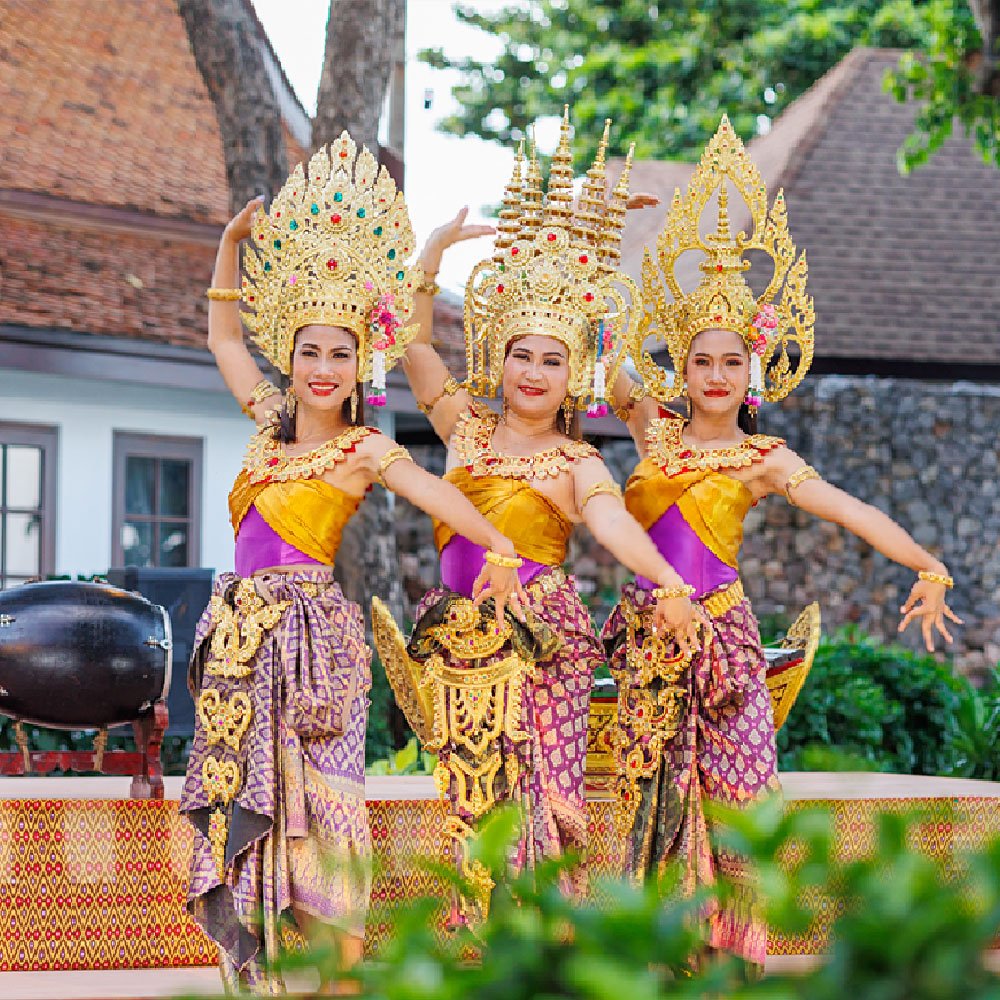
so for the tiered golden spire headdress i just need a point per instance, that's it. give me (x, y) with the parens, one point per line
(723, 300)
(332, 250)
(554, 272)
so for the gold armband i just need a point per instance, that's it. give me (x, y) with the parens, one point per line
(391, 456)
(604, 486)
(928, 577)
(797, 478)
(451, 386)
(223, 294)
(669, 593)
(261, 391)
(504, 562)
(624, 413)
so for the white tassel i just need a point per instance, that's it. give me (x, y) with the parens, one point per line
(756, 374)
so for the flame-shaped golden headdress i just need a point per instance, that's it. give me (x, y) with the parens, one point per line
(553, 272)
(723, 300)
(332, 250)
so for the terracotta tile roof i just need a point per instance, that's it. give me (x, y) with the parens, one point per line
(898, 266)
(104, 104)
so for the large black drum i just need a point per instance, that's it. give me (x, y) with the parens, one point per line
(81, 655)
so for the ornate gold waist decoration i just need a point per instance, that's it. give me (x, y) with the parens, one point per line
(721, 601)
(239, 630)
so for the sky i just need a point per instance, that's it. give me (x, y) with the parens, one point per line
(443, 173)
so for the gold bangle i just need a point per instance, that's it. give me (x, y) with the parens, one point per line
(604, 486)
(624, 413)
(798, 477)
(504, 562)
(451, 386)
(428, 287)
(669, 593)
(389, 458)
(224, 294)
(928, 577)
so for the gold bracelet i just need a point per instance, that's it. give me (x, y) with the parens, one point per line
(928, 577)
(504, 562)
(430, 287)
(624, 413)
(224, 294)
(391, 456)
(451, 386)
(604, 486)
(798, 477)
(669, 593)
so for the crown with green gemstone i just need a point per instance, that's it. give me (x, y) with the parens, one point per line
(332, 250)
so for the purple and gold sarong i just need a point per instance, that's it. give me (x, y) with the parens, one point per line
(275, 781)
(539, 714)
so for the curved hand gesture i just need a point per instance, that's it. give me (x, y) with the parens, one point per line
(678, 618)
(503, 585)
(238, 227)
(455, 231)
(926, 601)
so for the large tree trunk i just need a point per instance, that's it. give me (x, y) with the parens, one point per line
(363, 38)
(361, 43)
(230, 56)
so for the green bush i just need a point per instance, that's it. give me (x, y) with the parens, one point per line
(885, 708)
(908, 928)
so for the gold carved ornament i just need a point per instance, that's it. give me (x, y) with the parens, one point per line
(265, 460)
(554, 272)
(666, 447)
(225, 721)
(723, 299)
(784, 685)
(651, 702)
(238, 631)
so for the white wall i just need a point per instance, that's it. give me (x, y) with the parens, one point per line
(87, 412)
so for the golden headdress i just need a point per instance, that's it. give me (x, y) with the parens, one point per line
(331, 250)
(553, 272)
(723, 300)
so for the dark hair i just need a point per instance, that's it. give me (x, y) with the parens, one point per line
(284, 429)
(746, 421)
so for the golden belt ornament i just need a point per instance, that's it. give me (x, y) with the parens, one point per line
(239, 630)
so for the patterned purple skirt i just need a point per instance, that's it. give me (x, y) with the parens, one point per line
(275, 782)
(693, 734)
(541, 747)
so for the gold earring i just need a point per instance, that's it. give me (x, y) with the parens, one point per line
(291, 401)
(506, 407)
(568, 406)
(354, 405)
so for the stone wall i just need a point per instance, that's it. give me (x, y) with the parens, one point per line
(928, 455)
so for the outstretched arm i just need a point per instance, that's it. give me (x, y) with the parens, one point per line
(225, 331)
(787, 473)
(600, 503)
(392, 466)
(428, 375)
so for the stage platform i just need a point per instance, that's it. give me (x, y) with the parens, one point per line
(93, 883)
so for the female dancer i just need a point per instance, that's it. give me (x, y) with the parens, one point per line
(713, 737)
(508, 713)
(280, 672)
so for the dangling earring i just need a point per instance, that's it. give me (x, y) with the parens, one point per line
(354, 404)
(687, 408)
(290, 402)
(568, 406)
(506, 407)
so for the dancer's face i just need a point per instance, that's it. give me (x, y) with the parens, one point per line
(717, 372)
(324, 366)
(535, 376)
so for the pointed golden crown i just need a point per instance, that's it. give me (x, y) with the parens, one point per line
(331, 250)
(723, 300)
(553, 272)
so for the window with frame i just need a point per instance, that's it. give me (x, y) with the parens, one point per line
(157, 500)
(27, 502)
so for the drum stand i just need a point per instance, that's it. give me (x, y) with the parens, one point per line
(144, 763)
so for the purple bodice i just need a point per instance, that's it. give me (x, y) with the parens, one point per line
(259, 546)
(687, 553)
(462, 561)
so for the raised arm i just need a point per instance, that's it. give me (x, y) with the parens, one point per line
(392, 466)
(225, 330)
(785, 472)
(636, 414)
(432, 384)
(600, 503)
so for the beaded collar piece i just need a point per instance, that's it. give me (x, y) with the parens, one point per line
(473, 441)
(667, 449)
(266, 462)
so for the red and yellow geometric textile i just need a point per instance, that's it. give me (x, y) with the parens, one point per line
(101, 884)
